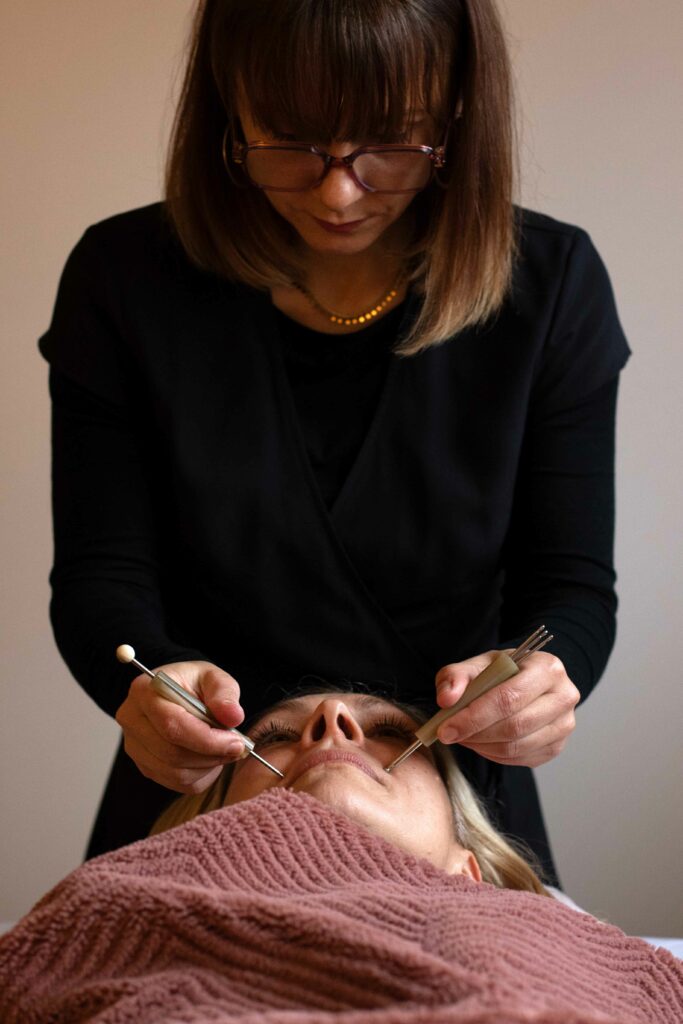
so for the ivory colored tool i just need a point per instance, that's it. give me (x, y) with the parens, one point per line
(168, 688)
(505, 666)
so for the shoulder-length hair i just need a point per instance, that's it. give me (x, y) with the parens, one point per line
(353, 69)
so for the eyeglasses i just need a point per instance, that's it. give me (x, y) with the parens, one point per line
(298, 166)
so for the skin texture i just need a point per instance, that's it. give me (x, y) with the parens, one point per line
(409, 807)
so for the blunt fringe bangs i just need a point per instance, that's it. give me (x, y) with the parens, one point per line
(352, 70)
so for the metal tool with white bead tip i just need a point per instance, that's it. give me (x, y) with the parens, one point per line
(168, 688)
(503, 667)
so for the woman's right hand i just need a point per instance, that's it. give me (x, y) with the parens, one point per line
(169, 744)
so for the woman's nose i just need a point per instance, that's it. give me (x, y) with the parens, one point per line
(333, 720)
(338, 190)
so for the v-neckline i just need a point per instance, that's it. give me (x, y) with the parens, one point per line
(335, 522)
(298, 442)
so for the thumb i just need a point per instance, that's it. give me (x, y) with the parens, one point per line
(221, 694)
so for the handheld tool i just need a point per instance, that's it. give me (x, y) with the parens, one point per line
(503, 667)
(168, 688)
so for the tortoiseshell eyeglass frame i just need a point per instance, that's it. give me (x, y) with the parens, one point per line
(437, 155)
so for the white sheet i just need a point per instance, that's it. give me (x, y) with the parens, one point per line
(674, 946)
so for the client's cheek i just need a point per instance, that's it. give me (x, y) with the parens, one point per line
(418, 787)
(248, 780)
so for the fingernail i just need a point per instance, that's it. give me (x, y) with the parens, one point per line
(450, 735)
(234, 752)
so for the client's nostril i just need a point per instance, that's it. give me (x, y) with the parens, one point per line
(318, 730)
(345, 726)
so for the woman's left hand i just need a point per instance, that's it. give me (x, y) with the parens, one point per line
(523, 721)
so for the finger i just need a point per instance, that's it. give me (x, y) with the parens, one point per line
(176, 727)
(452, 680)
(146, 733)
(531, 750)
(538, 714)
(182, 780)
(221, 694)
(502, 702)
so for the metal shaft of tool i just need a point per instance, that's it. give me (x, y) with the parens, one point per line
(143, 668)
(538, 639)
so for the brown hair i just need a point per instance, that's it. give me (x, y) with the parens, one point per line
(349, 69)
(504, 862)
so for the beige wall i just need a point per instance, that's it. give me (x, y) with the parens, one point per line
(85, 109)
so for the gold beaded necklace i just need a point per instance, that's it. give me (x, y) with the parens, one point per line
(358, 318)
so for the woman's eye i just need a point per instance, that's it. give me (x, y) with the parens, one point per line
(270, 736)
(390, 730)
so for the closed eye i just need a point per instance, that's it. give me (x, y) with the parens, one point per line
(274, 732)
(391, 728)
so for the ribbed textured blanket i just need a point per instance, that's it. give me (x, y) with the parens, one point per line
(281, 909)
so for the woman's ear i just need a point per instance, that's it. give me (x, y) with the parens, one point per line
(463, 862)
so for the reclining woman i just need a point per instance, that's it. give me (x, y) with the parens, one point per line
(337, 893)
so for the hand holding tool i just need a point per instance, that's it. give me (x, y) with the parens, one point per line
(503, 667)
(169, 689)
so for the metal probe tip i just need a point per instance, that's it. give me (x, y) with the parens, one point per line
(402, 757)
(267, 764)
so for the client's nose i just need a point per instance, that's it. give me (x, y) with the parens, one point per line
(332, 719)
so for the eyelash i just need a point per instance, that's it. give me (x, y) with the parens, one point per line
(278, 732)
(391, 725)
(273, 732)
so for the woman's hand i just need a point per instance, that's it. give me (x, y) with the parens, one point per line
(524, 721)
(170, 745)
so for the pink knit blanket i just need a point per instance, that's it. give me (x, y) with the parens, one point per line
(281, 909)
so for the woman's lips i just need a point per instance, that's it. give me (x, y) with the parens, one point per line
(326, 756)
(340, 229)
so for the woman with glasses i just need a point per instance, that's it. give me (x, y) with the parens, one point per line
(337, 406)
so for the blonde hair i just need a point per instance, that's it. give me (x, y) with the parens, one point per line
(364, 66)
(504, 862)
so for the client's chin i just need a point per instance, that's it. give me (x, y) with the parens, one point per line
(344, 786)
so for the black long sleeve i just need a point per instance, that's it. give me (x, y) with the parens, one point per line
(559, 550)
(105, 578)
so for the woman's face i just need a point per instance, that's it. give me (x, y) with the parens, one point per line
(338, 199)
(335, 747)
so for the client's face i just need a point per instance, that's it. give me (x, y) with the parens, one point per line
(335, 747)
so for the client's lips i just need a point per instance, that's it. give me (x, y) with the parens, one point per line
(330, 754)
